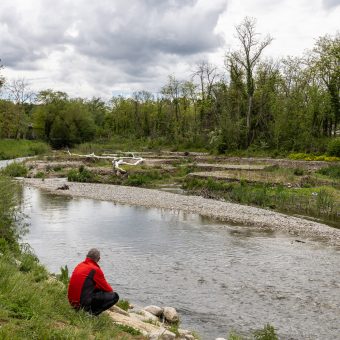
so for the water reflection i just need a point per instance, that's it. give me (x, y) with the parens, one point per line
(219, 277)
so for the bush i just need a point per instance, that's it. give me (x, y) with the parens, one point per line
(64, 275)
(298, 172)
(330, 171)
(15, 170)
(140, 179)
(38, 148)
(10, 217)
(81, 175)
(310, 157)
(333, 148)
(267, 333)
(123, 304)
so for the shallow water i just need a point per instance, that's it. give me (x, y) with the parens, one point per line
(6, 162)
(219, 277)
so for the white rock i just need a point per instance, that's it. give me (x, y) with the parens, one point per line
(170, 314)
(147, 316)
(155, 310)
(189, 337)
(183, 332)
(220, 339)
(119, 310)
(163, 334)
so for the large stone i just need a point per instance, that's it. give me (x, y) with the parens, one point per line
(185, 334)
(145, 328)
(119, 310)
(155, 310)
(147, 316)
(170, 314)
(162, 334)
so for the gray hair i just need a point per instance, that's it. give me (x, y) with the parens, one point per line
(94, 254)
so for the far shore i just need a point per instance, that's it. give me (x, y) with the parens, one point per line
(223, 211)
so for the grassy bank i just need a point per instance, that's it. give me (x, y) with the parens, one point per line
(317, 202)
(313, 194)
(12, 148)
(33, 305)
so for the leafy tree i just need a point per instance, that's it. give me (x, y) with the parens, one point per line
(61, 121)
(247, 57)
(325, 63)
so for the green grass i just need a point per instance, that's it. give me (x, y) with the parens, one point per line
(12, 148)
(32, 304)
(320, 202)
(266, 333)
(82, 175)
(130, 144)
(330, 171)
(311, 157)
(123, 304)
(32, 307)
(15, 170)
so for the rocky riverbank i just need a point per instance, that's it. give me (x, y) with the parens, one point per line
(224, 211)
(152, 321)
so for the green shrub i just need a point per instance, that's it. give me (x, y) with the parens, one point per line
(267, 333)
(64, 275)
(123, 304)
(40, 174)
(38, 148)
(324, 202)
(330, 171)
(310, 157)
(298, 172)
(15, 170)
(10, 217)
(81, 175)
(333, 148)
(140, 179)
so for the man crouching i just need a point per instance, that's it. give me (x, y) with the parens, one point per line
(88, 288)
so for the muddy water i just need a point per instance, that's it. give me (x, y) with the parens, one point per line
(219, 277)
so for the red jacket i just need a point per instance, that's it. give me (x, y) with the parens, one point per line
(86, 278)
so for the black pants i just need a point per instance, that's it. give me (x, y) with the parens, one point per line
(101, 301)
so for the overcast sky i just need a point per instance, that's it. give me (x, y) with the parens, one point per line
(99, 48)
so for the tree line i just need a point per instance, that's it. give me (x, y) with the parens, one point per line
(291, 104)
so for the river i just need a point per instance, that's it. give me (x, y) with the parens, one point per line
(219, 277)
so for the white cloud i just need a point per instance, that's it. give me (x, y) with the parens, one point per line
(89, 48)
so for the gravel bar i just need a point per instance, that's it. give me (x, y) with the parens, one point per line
(223, 211)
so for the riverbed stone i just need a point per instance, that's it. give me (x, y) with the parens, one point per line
(119, 310)
(170, 314)
(185, 334)
(163, 334)
(147, 316)
(155, 310)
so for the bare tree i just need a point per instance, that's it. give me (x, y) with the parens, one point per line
(2, 79)
(20, 93)
(171, 91)
(206, 73)
(248, 56)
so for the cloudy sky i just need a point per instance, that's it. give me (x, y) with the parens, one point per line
(99, 48)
